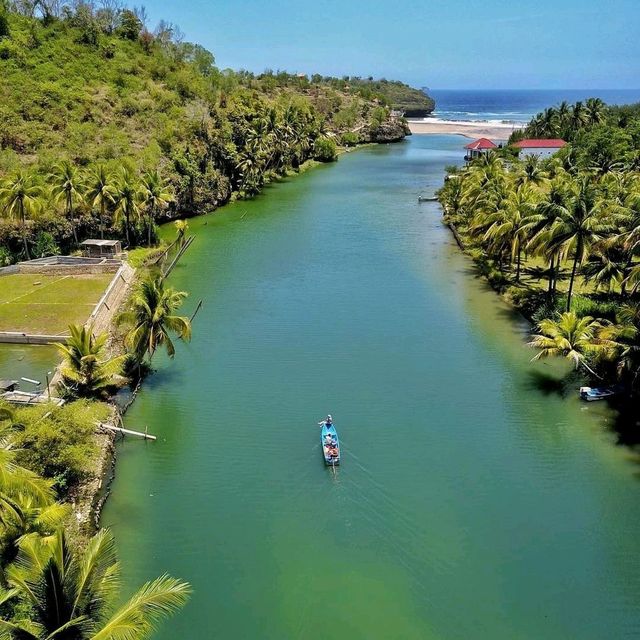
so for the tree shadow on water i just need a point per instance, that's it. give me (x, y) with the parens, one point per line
(548, 385)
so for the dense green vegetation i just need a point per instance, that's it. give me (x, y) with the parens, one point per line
(52, 585)
(561, 237)
(105, 126)
(52, 588)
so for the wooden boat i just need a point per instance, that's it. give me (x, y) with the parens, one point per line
(590, 394)
(331, 452)
(427, 199)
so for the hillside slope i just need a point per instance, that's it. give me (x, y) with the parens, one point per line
(98, 89)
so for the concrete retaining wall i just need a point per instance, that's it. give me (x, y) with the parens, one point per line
(15, 337)
(113, 297)
(67, 269)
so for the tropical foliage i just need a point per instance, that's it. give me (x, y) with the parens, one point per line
(561, 236)
(107, 125)
(86, 369)
(151, 318)
(62, 592)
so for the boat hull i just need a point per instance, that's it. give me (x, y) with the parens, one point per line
(592, 394)
(329, 459)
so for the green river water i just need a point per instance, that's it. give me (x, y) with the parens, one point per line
(473, 500)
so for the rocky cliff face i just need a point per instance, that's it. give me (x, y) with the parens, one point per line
(392, 130)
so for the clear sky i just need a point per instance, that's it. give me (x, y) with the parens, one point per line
(529, 44)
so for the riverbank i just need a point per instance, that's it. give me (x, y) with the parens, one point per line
(494, 131)
(444, 362)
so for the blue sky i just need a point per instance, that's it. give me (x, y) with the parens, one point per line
(481, 44)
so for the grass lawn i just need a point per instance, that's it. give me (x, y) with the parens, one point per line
(35, 303)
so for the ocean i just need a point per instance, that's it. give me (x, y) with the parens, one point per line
(516, 105)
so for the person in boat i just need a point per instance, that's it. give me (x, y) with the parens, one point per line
(328, 440)
(328, 421)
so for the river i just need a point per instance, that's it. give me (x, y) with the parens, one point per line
(475, 499)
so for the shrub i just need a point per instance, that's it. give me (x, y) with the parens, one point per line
(62, 445)
(5, 32)
(325, 150)
(350, 139)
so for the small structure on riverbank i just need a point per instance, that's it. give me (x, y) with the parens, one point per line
(478, 148)
(94, 248)
(538, 147)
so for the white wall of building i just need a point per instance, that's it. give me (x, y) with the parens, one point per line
(540, 152)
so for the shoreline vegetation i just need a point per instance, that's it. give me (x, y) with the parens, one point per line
(107, 129)
(100, 114)
(559, 238)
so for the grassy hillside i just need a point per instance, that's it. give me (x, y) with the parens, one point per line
(97, 89)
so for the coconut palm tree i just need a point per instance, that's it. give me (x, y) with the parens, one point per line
(20, 198)
(609, 263)
(569, 337)
(564, 115)
(86, 367)
(623, 338)
(66, 186)
(511, 222)
(100, 191)
(126, 200)
(581, 223)
(594, 110)
(154, 196)
(61, 593)
(579, 116)
(26, 500)
(152, 318)
(540, 223)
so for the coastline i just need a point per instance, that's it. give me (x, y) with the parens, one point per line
(493, 130)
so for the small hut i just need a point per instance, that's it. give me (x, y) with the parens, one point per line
(478, 148)
(101, 248)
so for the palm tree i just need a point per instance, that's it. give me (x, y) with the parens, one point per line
(19, 196)
(25, 498)
(151, 318)
(624, 340)
(564, 115)
(594, 110)
(154, 196)
(570, 337)
(127, 200)
(579, 116)
(68, 594)
(510, 223)
(100, 191)
(580, 224)
(608, 264)
(540, 223)
(549, 122)
(67, 186)
(86, 366)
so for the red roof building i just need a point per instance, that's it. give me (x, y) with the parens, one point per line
(482, 144)
(478, 147)
(538, 147)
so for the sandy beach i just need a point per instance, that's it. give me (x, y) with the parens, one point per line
(491, 130)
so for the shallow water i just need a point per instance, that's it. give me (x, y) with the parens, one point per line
(30, 361)
(474, 500)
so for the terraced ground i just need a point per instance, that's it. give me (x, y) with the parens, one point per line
(34, 303)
